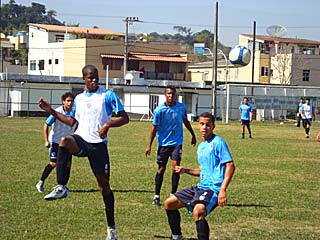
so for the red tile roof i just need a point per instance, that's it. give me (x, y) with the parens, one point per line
(92, 31)
(150, 57)
(283, 40)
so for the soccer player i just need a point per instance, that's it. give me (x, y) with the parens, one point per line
(167, 125)
(246, 116)
(215, 169)
(92, 110)
(301, 101)
(307, 113)
(58, 130)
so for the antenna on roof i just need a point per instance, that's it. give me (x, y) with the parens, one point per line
(276, 31)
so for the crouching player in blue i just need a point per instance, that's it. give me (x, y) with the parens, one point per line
(216, 169)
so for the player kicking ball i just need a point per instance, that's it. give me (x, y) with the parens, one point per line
(215, 169)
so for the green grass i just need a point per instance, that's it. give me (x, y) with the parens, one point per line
(274, 194)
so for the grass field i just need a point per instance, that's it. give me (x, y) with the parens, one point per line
(275, 192)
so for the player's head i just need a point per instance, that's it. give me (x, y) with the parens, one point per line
(67, 101)
(170, 94)
(307, 100)
(301, 99)
(206, 125)
(245, 100)
(91, 77)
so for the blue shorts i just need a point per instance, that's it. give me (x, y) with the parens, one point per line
(53, 153)
(164, 152)
(97, 154)
(192, 195)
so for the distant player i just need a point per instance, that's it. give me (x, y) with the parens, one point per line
(307, 113)
(246, 116)
(299, 118)
(58, 130)
(93, 111)
(215, 170)
(167, 124)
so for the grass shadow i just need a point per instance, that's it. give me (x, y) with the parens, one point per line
(114, 190)
(166, 237)
(248, 205)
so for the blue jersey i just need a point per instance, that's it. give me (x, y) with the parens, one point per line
(307, 110)
(245, 110)
(212, 156)
(92, 110)
(169, 121)
(58, 128)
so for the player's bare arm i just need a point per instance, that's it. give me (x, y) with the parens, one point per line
(122, 119)
(46, 135)
(153, 133)
(192, 172)
(189, 127)
(44, 105)
(222, 196)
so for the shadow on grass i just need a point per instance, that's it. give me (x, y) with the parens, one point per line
(114, 190)
(166, 237)
(247, 205)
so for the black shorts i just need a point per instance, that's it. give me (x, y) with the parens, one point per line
(53, 153)
(193, 195)
(306, 121)
(97, 154)
(245, 122)
(164, 152)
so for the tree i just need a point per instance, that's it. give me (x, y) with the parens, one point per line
(286, 67)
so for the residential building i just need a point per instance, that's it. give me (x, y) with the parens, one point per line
(63, 51)
(285, 61)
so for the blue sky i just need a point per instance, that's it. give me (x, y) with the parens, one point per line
(301, 18)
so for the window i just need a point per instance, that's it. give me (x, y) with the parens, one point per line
(114, 64)
(305, 75)
(56, 61)
(50, 61)
(41, 64)
(33, 65)
(265, 71)
(206, 76)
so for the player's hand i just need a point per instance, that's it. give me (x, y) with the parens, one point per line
(318, 137)
(44, 105)
(148, 151)
(193, 141)
(222, 198)
(103, 131)
(179, 170)
(47, 144)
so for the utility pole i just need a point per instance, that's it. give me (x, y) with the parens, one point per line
(127, 20)
(253, 55)
(215, 64)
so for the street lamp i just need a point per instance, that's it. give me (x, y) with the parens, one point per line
(225, 59)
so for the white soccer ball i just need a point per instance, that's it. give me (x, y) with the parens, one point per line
(240, 55)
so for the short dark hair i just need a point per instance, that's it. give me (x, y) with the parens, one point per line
(88, 67)
(170, 87)
(66, 95)
(208, 115)
(308, 99)
(246, 98)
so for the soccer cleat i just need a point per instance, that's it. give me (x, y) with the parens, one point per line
(176, 237)
(250, 136)
(58, 192)
(307, 135)
(40, 187)
(156, 201)
(112, 233)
